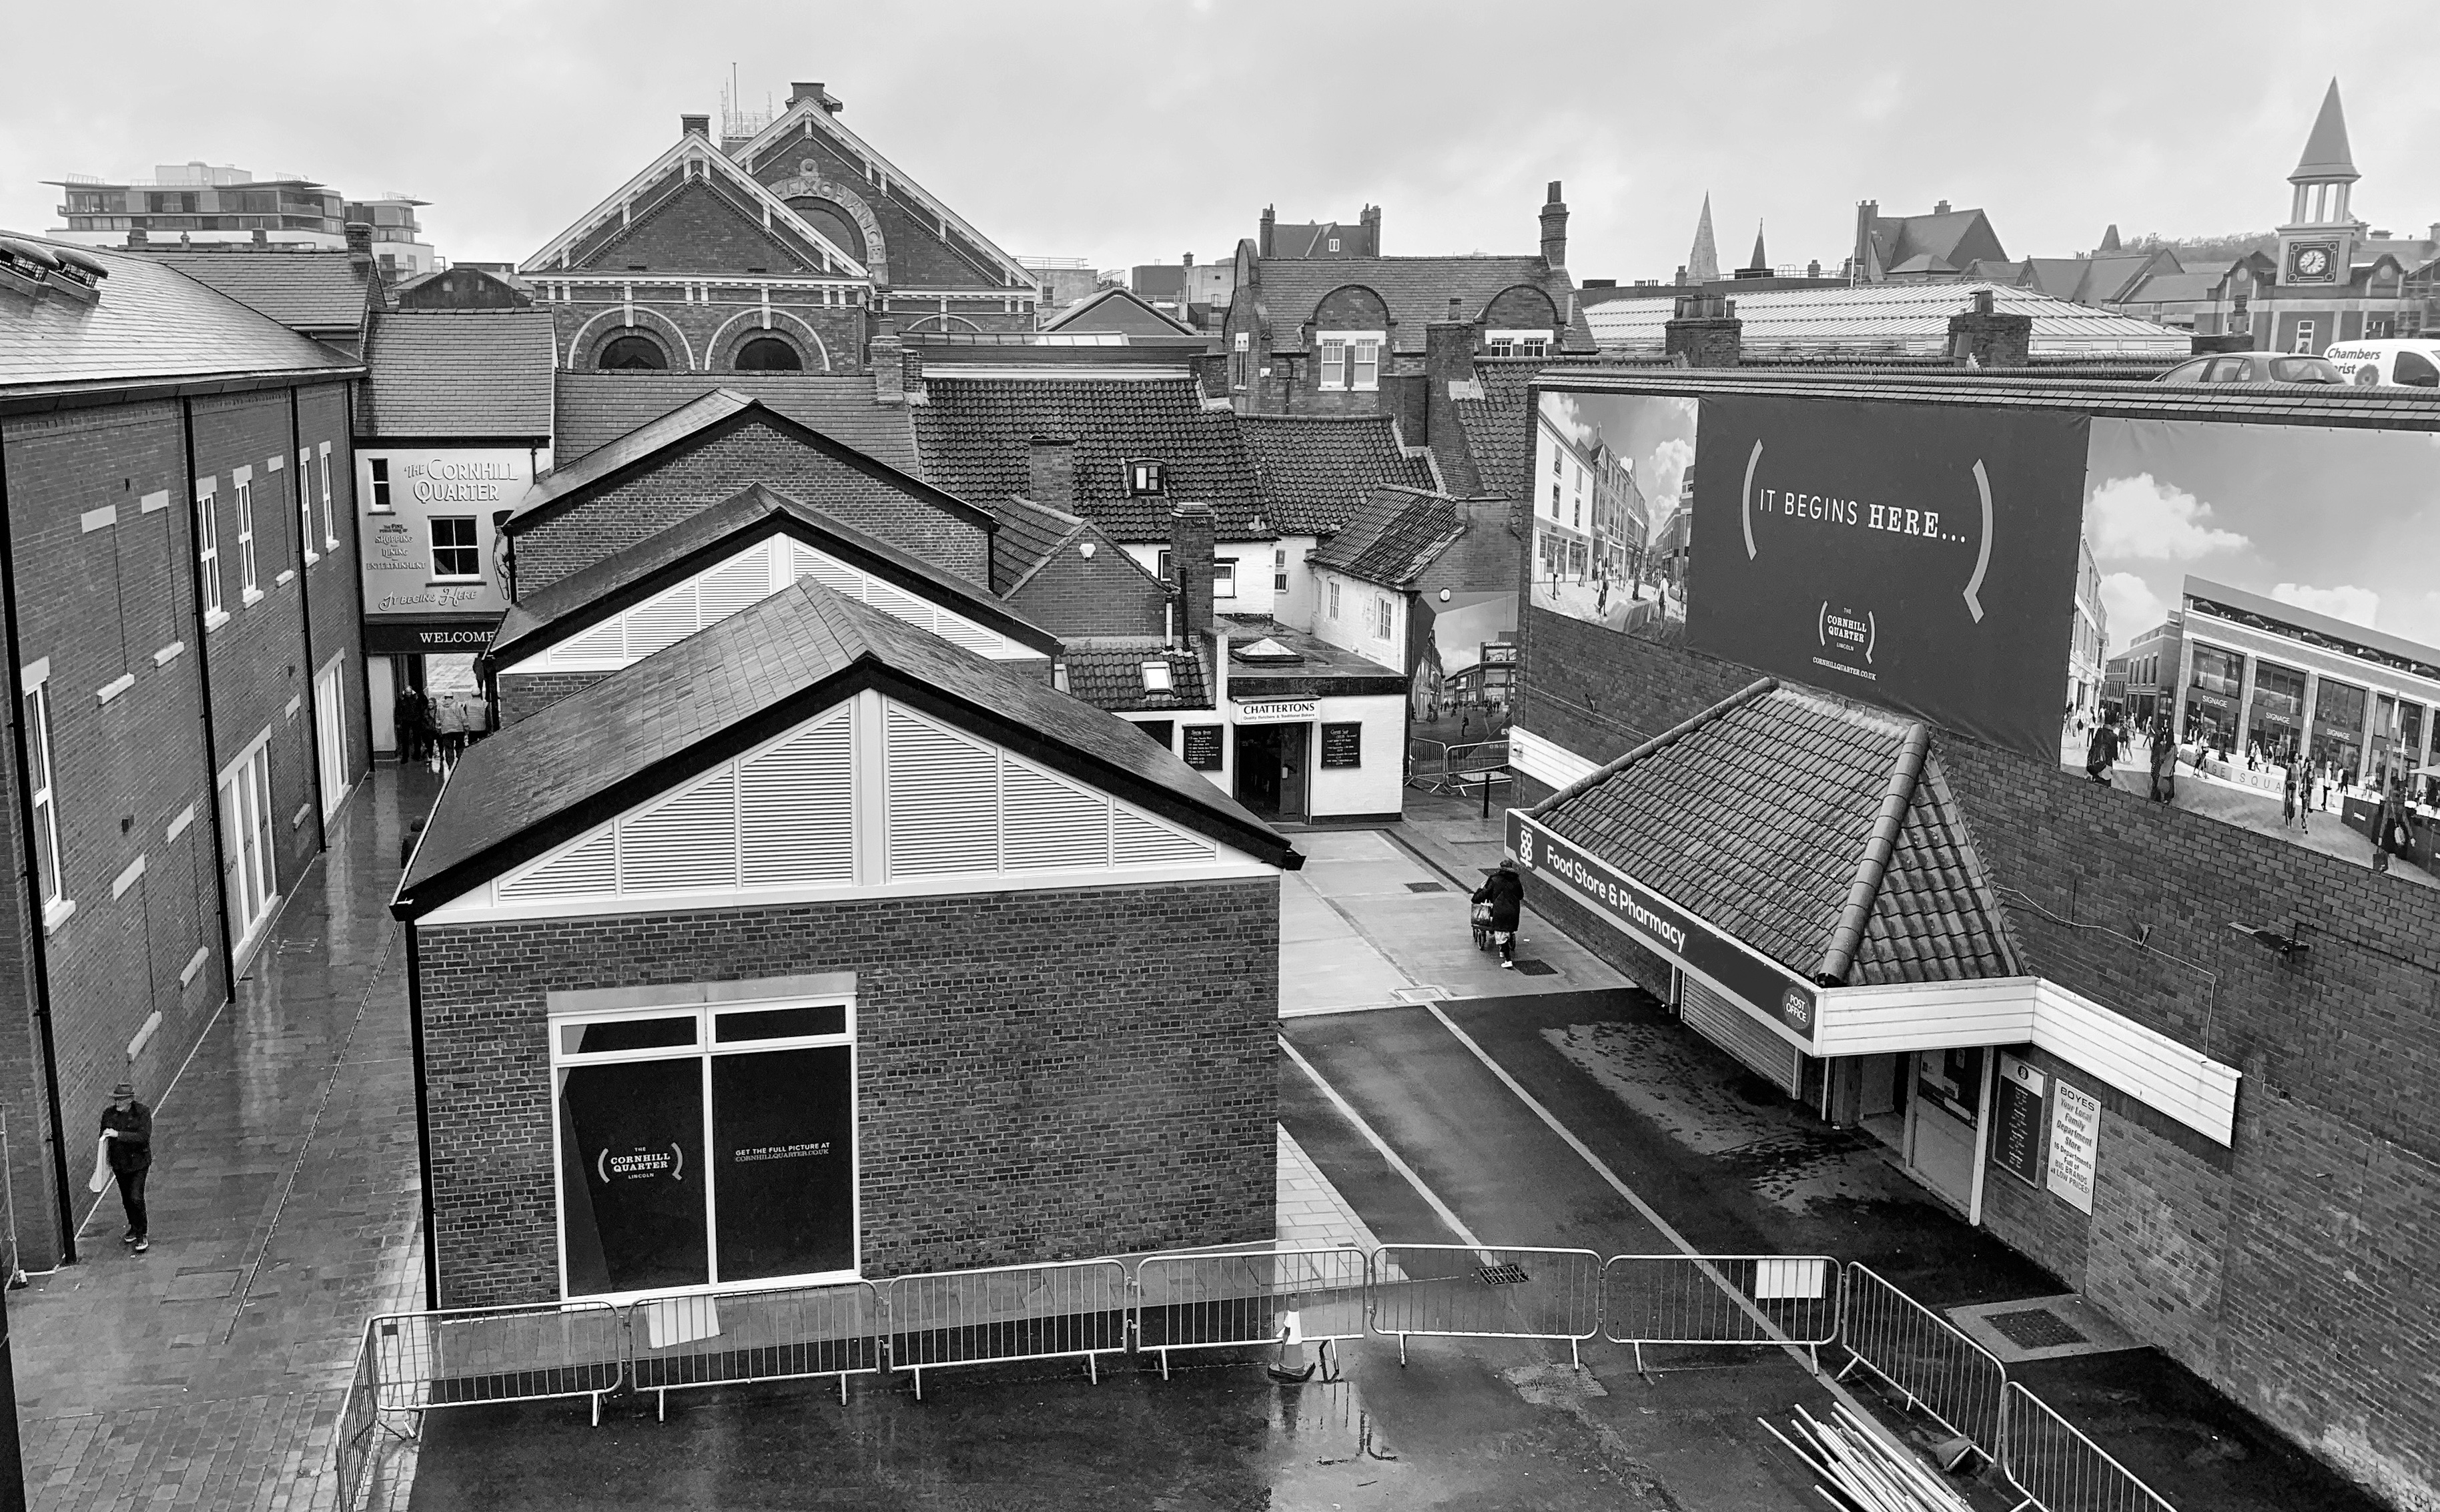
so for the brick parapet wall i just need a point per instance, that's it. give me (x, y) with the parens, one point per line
(1040, 1075)
(524, 694)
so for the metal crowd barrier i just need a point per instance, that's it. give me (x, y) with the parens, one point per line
(1008, 1313)
(1300, 1294)
(2056, 1468)
(1942, 1373)
(468, 1356)
(1440, 766)
(787, 1333)
(1733, 1299)
(1459, 1292)
(359, 1428)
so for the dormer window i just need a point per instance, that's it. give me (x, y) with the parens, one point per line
(1350, 359)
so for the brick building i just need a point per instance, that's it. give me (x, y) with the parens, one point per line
(734, 994)
(2028, 984)
(181, 609)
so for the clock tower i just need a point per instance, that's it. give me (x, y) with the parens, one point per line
(2317, 243)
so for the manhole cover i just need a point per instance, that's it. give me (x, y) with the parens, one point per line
(1536, 968)
(1508, 1275)
(1426, 887)
(2035, 1328)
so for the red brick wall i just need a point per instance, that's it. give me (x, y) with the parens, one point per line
(704, 335)
(1105, 596)
(685, 482)
(527, 694)
(335, 586)
(919, 256)
(1041, 1076)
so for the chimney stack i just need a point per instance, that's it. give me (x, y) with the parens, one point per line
(1863, 265)
(1981, 336)
(695, 126)
(137, 238)
(816, 93)
(360, 244)
(1270, 227)
(1190, 531)
(1940, 208)
(1052, 472)
(1705, 332)
(1372, 222)
(886, 357)
(1555, 228)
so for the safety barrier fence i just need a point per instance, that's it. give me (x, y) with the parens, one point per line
(1441, 767)
(2054, 1467)
(1460, 1291)
(1942, 1373)
(1770, 1301)
(1162, 1304)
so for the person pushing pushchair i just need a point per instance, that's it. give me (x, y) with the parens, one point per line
(1497, 905)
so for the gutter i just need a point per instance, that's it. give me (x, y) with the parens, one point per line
(42, 398)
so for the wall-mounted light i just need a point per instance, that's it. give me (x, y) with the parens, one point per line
(1084, 550)
(1444, 595)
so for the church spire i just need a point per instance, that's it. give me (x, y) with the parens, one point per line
(1760, 260)
(1703, 263)
(2326, 158)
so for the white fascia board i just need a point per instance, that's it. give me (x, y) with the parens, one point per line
(696, 148)
(1878, 1020)
(1545, 761)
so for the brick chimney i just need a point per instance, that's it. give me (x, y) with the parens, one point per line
(1372, 223)
(1705, 332)
(816, 93)
(1555, 228)
(1866, 267)
(1448, 376)
(1191, 530)
(1051, 463)
(1269, 232)
(1981, 336)
(695, 126)
(139, 238)
(886, 357)
(360, 244)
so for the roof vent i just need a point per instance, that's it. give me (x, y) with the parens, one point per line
(37, 269)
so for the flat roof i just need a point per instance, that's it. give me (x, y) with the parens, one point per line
(2326, 627)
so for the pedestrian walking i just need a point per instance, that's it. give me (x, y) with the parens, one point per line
(1505, 891)
(2102, 753)
(2288, 800)
(409, 710)
(2164, 763)
(127, 1131)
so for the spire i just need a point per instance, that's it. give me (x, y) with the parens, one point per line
(2109, 241)
(1760, 261)
(2326, 156)
(1703, 263)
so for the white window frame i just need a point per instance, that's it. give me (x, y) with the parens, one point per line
(2304, 347)
(433, 547)
(1518, 343)
(305, 513)
(378, 468)
(1223, 577)
(329, 527)
(1334, 364)
(1384, 615)
(706, 1049)
(1333, 598)
(1364, 364)
(1157, 677)
(331, 731)
(248, 593)
(248, 814)
(34, 708)
(207, 551)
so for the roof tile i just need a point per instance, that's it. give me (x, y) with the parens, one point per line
(1317, 470)
(471, 374)
(1394, 535)
(594, 408)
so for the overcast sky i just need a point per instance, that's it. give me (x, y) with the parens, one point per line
(1133, 133)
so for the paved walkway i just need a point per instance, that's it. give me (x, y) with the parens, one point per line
(209, 1372)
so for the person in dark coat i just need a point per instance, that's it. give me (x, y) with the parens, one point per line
(2101, 754)
(128, 1126)
(1505, 891)
(408, 711)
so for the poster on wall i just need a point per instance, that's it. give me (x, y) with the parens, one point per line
(1612, 485)
(430, 547)
(2075, 1145)
(2017, 1133)
(2269, 601)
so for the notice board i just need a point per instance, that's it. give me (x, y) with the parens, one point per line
(1342, 745)
(2075, 1142)
(2017, 1133)
(1202, 748)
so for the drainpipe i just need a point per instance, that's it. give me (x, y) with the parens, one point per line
(203, 689)
(423, 1120)
(302, 517)
(64, 1190)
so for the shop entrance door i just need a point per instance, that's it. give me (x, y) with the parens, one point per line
(1945, 1116)
(1881, 1097)
(1271, 770)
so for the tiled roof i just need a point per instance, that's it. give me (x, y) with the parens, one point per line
(976, 434)
(1315, 470)
(1108, 673)
(598, 407)
(1394, 536)
(480, 374)
(1417, 289)
(303, 291)
(593, 594)
(151, 323)
(1498, 427)
(1028, 534)
(648, 728)
(1758, 816)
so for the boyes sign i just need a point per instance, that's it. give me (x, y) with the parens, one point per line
(1915, 557)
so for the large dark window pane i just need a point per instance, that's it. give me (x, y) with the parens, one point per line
(782, 1023)
(782, 1133)
(632, 1176)
(627, 1034)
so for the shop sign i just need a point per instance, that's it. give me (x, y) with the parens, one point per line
(2075, 1145)
(2017, 1140)
(396, 638)
(1766, 990)
(1342, 745)
(1277, 710)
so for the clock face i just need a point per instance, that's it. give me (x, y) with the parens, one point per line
(2310, 263)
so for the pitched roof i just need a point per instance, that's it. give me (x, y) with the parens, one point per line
(1115, 309)
(471, 374)
(1704, 263)
(976, 434)
(1764, 815)
(594, 408)
(1028, 534)
(1394, 535)
(1315, 470)
(604, 464)
(304, 291)
(655, 181)
(1417, 291)
(1107, 672)
(1945, 239)
(593, 594)
(1500, 424)
(150, 323)
(648, 728)
(2326, 154)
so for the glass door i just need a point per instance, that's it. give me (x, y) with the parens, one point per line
(249, 877)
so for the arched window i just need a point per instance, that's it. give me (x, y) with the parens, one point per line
(768, 354)
(633, 351)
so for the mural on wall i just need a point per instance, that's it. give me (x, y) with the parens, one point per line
(1613, 491)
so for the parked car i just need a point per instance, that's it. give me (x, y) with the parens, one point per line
(2253, 368)
(2406, 362)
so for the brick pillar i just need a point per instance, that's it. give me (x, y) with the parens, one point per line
(1190, 531)
(1705, 332)
(1982, 337)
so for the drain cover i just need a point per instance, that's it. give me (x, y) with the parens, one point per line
(1536, 968)
(1507, 1274)
(2035, 1328)
(1426, 887)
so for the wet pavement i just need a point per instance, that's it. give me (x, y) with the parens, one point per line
(208, 1372)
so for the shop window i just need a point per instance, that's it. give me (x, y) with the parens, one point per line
(632, 352)
(381, 486)
(2304, 337)
(706, 1146)
(768, 354)
(455, 553)
(36, 704)
(207, 555)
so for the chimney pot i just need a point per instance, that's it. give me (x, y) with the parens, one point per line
(1940, 207)
(139, 238)
(694, 126)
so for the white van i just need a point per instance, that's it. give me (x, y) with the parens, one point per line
(2411, 362)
